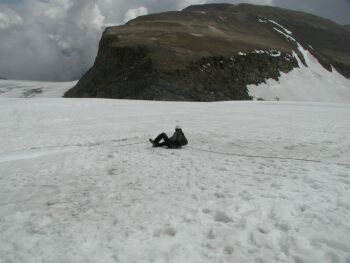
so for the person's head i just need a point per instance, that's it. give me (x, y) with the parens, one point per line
(178, 128)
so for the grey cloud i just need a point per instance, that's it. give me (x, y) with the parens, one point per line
(58, 39)
(337, 10)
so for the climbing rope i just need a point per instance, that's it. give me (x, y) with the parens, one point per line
(248, 156)
(267, 157)
(89, 144)
(192, 148)
(122, 145)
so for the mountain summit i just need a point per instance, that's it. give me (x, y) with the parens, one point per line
(209, 52)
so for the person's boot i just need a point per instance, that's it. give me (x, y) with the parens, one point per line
(152, 142)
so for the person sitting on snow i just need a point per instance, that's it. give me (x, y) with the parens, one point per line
(176, 141)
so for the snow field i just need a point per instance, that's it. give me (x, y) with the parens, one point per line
(29, 89)
(73, 190)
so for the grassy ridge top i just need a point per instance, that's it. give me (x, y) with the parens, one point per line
(225, 29)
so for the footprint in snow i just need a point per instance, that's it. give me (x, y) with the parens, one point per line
(222, 217)
(206, 210)
(111, 171)
(246, 195)
(167, 230)
(219, 195)
(211, 234)
(228, 249)
(330, 243)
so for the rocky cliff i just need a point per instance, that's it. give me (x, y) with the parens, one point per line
(208, 52)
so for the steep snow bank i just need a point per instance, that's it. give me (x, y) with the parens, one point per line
(306, 83)
(72, 190)
(311, 83)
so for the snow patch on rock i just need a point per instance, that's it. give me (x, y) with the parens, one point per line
(286, 35)
(282, 27)
(306, 83)
(310, 82)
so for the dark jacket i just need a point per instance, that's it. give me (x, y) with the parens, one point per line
(178, 139)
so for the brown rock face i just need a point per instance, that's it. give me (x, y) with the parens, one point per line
(207, 53)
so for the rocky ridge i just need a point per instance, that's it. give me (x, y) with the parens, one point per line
(208, 52)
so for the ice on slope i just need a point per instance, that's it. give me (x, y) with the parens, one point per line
(69, 192)
(306, 83)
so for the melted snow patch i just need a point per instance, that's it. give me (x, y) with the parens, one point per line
(275, 53)
(286, 35)
(262, 21)
(277, 24)
(259, 51)
(272, 52)
(197, 35)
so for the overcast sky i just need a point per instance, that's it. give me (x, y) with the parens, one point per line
(57, 39)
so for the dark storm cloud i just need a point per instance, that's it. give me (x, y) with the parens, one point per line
(57, 39)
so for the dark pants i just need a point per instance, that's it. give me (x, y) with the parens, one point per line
(165, 138)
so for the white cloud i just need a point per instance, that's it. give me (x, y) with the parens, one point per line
(97, 18)
(60, 37)
(133, 13)
(90, 18)
(186, 3)
(9, 18)
(56, 9)
(64, 43)
(261, 2)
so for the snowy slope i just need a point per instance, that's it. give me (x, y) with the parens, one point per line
(30, 89)
(306, 83)
(73, 189)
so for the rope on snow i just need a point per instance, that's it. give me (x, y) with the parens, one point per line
(250, 156)
(267, 157)
(193, 148)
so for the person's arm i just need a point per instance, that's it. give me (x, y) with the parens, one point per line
(173, 138)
